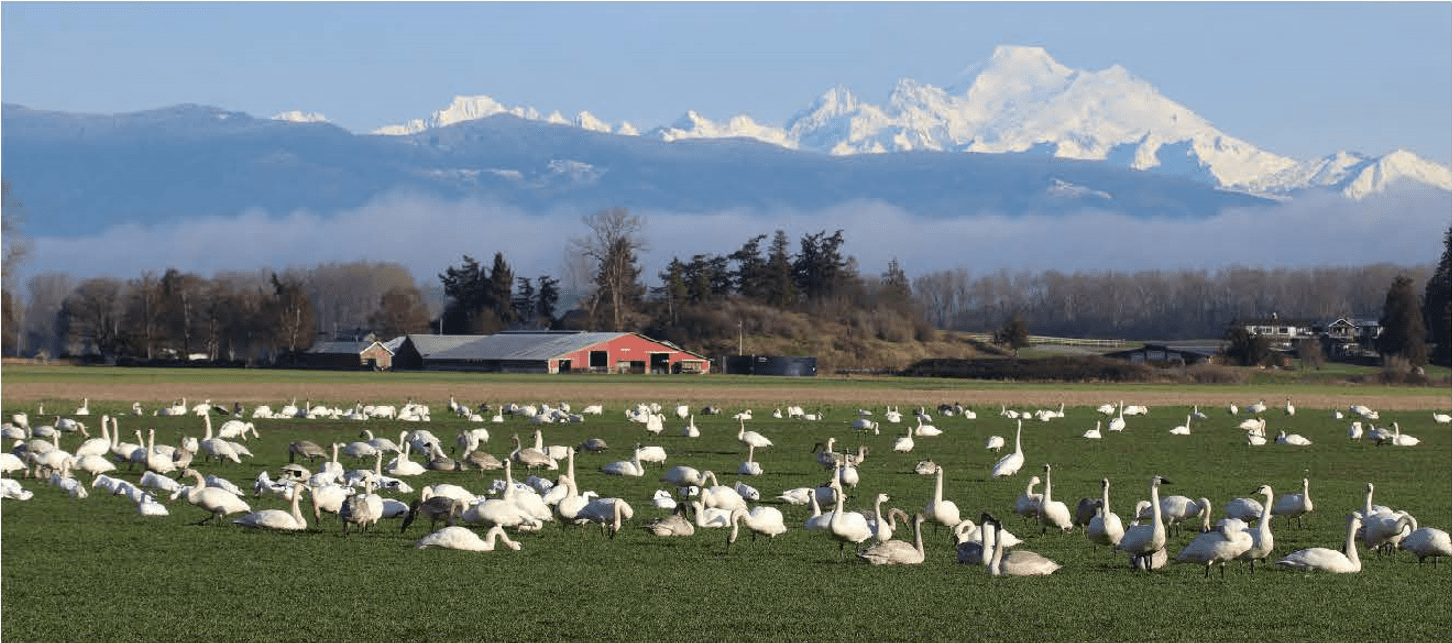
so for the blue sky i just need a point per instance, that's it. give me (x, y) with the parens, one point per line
(1301, 79)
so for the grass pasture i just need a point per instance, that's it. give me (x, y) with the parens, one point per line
(94, 570)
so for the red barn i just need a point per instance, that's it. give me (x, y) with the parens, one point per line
(561, 352)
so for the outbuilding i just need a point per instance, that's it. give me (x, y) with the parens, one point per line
(551, 352)
(349, 355)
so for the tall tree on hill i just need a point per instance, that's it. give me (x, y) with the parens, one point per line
(749, 279)
(1402, 333)
(778, 281)
(613, 244)
(465, 292)
(1437, 305)
(820, 268)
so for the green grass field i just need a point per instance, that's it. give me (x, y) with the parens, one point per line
(93, 569)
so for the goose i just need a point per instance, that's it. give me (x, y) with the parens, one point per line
(751, 467)
(1141, 541)
(363, 509)
(1428, 541)
(1184, 429)
(277, 518)
(1053, 512)
(905, 443)
(675, 524)
(454, 537)
(1262, 541)
(751, 438)
(1020, 562)
(1105, 527)
(762, 520)
(1217, 546)
(1295, 505)
(938, 510)
(1293, 439)
(529, 456)
(1010, 464)
(898, 552)
(1328, 560)
(216, 501)
(1094, 434)
(1027, 504)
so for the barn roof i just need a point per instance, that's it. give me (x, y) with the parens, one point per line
(431, 345)
(341, 348)
(523, 346)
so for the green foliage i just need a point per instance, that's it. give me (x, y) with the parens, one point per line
(1437, 305)
(1246, 348)
(1402, 333)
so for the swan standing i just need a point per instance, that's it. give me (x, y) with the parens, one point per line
(766, 521)
(1218, 546)
(1105, 527)
(1145, 542)
(1262, 542)
(1011, 463)
(217, 502)
(1052, 512)
(1295, 505)
(1428, 541)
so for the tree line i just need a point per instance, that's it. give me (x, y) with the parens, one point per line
(696, 299)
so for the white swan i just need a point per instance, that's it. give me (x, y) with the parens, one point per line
(1293, 439)
(1018, 563)
(751, 438)
(1105, 527)
(1184, 429)
(1094, 433)
(905, 443)
(402, 466)
(1142, 541)
(1428, 541)
(631, 467)
(277, 518)
(766, 521)
(465, 539)
(994, 444)
(1262, 541)
(1295, 505)
(751, 467)
(1217, 546)
(1053, 512)
(938, 510)
(1010, 464)
(848, 526)
(898, 552)
(1328, 560)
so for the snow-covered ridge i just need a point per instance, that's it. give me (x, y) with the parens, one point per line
(1021, 100)
(298, 116)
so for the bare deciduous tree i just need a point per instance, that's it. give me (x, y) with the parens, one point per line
(613, 245)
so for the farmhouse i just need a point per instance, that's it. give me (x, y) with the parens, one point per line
(1350, 336)
(1282, 333)
(547, 352)
(349, 355)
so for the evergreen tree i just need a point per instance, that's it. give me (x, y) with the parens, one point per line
(498, 303)
(523, 303)
(779, 287)
(1437, 305)
(1402, 333)
(1246, 348)
(750, 278)
(546, 299)
(464, 295)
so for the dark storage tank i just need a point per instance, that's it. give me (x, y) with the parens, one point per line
(771, 365)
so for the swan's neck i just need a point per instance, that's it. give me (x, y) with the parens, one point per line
(938, 488)
(1104, 498)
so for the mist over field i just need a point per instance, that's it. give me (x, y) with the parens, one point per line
(426, 235)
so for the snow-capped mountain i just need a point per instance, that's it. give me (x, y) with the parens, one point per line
(469, 108)
(299, 116)
(1021, 100)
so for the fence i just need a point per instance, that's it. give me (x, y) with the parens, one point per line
(1063, 341)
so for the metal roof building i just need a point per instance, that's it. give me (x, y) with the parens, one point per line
(547, 352)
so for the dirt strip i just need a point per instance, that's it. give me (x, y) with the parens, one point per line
(700, 391)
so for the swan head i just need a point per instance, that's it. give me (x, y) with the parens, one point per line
(1104, 483)
(1159, 480)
